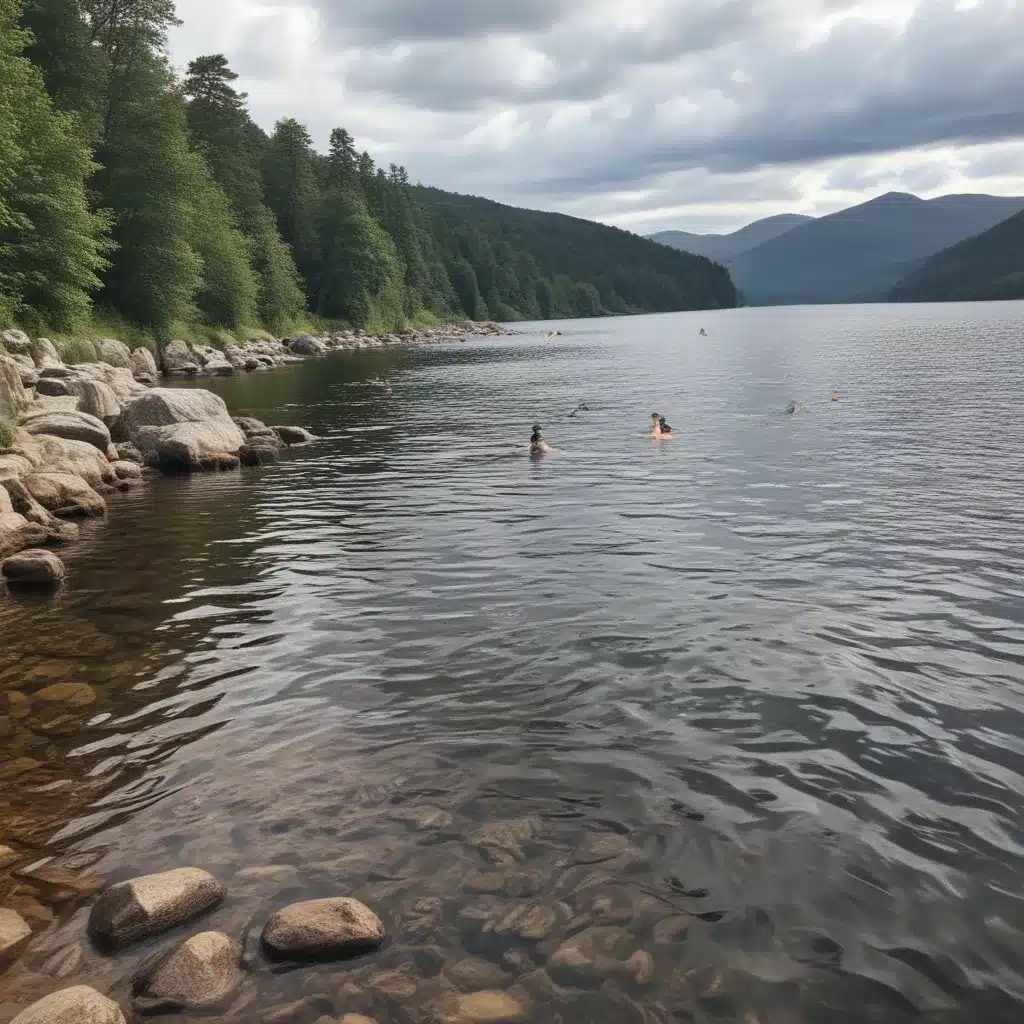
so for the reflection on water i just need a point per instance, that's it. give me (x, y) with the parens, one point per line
(751, 697)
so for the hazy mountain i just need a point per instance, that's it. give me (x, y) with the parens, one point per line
(861, 253)
(723, 247)
(986, 266)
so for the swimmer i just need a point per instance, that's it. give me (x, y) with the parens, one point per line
(538, 446)
(665, 428)
(582, 407)
(703, 333)
(793, 407)
(657, 434)
(835, 397)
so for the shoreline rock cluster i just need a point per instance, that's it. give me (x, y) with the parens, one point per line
(85, 430)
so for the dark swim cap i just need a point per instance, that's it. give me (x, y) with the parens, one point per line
(536, 428)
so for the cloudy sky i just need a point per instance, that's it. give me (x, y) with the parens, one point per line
(649, 114)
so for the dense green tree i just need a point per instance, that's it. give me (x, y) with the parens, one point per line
(50, 242)
(148, 184)
(293, 191)
(467, 288)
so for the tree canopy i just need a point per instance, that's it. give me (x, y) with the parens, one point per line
(159, 199)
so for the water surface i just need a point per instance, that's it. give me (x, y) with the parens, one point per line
(778, 659)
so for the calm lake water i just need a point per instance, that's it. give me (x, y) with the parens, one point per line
(752, 696)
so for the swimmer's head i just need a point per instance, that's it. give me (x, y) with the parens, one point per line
(655, 417)
(536, 432)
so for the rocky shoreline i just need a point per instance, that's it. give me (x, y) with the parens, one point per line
(83, 431)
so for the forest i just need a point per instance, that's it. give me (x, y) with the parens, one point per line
(135, 196)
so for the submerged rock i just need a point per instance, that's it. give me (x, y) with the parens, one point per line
(335, 927)
(490, 1008)
(257, 454)
(34, 566)
(152, 903)
(200, 972)
(78, 1005)
(293, 435)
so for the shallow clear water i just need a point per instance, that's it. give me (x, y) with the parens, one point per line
(781, 656)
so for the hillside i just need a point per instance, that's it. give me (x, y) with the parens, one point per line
(724, 247)
(987, 266)
(509, 263)
(861, 253)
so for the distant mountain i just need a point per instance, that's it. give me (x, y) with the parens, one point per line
(987, 266)
(861, 253)
(507, 263)
(724, 247)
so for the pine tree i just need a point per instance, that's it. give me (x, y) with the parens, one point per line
(148, 184)
(293, 192)
(50, 243)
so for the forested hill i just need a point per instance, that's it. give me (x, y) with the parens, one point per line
(156, 201)
(987, 266)
(508, 263)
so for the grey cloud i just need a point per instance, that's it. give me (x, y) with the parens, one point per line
(357, 21)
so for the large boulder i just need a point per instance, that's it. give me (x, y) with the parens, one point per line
(64, 494)
(29, 377)
(54, 387)
(199, 973)
(13, 398)
(306, 345)
(186, 430)
(259, 451)
(16, 342)
(117, 378)
(114, 353)
(98, 399)
(143, 364)
(44, 353)
(73, 426)
(78, 1005)
(33, 566)
(17, 533)
(178, 358)
(336, 927)
(151, 904)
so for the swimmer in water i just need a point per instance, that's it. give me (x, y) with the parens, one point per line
(835, 397)
(538, 446)
(793, 407)
(663, 423)
(657, 434)
(703, 333)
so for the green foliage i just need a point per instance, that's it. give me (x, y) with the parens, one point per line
(227, 296)
(6, 435)
(987, 266)
(50, 242)
(530, 264)
(148, 183)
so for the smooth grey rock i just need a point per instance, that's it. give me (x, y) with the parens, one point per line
(151, 904)
(98, 399)
(29, 378)
(44, 353)
(127, 452)
(293, 435)
(78, 1005)
(114, 353)
(17, 533)
(335, 927)
(72, 426)
(201, 972)
(490, 1008)
(54, 387)
(64, 494)
(306, 345)
(143, 364)
(13, 398)
(127, 470)
(33, 566)
(178, 358)
(16, 342)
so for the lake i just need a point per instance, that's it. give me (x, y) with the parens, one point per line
(752, 697)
